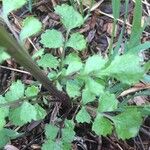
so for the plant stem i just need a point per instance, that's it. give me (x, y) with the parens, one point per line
(24, 59)
(63, 50)
(112, 38)
(81, 7)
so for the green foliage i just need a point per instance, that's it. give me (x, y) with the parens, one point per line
(28, 28)
(128, 72)
(23, 114)
(62, 143)
(83, 116)
(116, 8)
(31, 91)
(136, 28)
(76, 41)
(38, 53)
(87, 96)
(94, 63)
(48, 61)
(102, 126)
(52, 39)
(51, 131)
(84, 80)
(15, 92)
(73, 67)
(10, 5)
(128, 123)
(3, 55)
(107, 102)
(4, 111)
(69, 17)
(6, 135)
(72, 88)
(94, 87)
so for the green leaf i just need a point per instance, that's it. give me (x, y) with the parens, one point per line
(107, 102)
(125, 68)
(40, 112)
(48, 60)
(3, 55)
(51, 131)
(31, 91)
(72, 57)
(94, 63)
(94, 87)
(52, 75)
(116, 8)
(102, 126)
(51, 145)
(31, 26)
(73, 67)
(38, 53)
(83, 116)
(10, 5)
(68, 135)
(128, 123)
(12, 134)
(4, 111)
(16, 91)
(52, 39)
(69, 17)
(77, 42)
(73, 88)
(4, 138)
(23, 114)
(136, 31)
(68, 132)
(87, 96)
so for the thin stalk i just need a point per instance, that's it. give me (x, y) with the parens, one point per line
(81, 7)
(23, 58)
(30, 5)
(63, 50)
(112, 38)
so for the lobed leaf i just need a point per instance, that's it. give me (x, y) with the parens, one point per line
(48, 61)
(73, 67)
(51, 131)
(16, 91)
(72, 88)
(94, 87)
(128, 123)
(31, 26)
(102, 126)
(76, 41)
(69, 16)
(11, 5)
(52, 39)
(125, 68)
(83, 116)
(40, 112)
(94, 63)
(87, 96)
(31, 91)
(107, 102)
(23, 114)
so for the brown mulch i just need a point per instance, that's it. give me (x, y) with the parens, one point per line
(97, 29)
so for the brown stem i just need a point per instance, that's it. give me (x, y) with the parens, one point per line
(23, 58)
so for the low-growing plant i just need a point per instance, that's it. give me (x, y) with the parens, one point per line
(86, 81)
